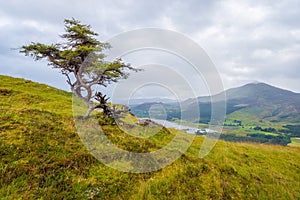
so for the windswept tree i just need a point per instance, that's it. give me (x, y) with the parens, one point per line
(81, 59)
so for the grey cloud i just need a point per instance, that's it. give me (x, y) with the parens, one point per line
(247, 40)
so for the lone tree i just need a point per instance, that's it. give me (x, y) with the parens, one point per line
(81, 59)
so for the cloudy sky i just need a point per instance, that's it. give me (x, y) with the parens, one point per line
(249, 40)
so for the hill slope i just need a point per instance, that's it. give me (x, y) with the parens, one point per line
(266, 103)
(252, 103)
(43, 157)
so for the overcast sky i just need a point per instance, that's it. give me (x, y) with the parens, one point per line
(248, 41)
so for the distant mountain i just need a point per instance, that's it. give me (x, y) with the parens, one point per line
(253, 103)
(136, 102)
(152, 100)
(156, 110)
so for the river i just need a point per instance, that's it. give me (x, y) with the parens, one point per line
(187, 129)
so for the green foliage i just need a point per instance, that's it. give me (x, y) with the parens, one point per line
(42, 157)
(292, 130)
(258, 138)
(67, 56)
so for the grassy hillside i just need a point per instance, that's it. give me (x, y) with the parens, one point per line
(262, 104)
(41, 156)
(255, 112)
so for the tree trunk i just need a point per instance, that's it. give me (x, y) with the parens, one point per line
(88, 112)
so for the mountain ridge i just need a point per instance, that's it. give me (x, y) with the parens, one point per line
(275, 103)
(249, 86)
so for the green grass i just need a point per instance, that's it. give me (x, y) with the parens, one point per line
(42, 157)
(253, 116)
(243, 131)
(295, 142)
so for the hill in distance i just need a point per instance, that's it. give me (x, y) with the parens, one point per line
(42, 157)
(258, 102)
(256, 112)
(266, 102)
(134, 102)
